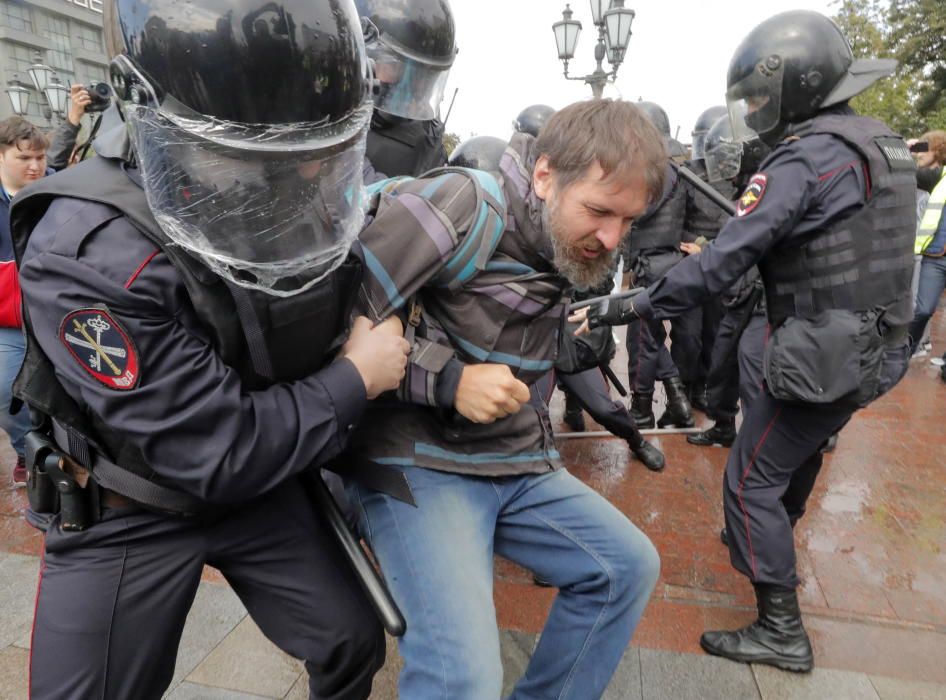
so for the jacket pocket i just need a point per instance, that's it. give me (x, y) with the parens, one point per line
(833, 356)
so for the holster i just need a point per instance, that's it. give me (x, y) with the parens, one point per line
(56, 484)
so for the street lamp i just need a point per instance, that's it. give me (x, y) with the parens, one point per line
(56, 95)
(613, 21)
(47, 84)
(39, 72)
(19, 95)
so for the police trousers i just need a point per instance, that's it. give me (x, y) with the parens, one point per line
(113, 599)
(771, 470)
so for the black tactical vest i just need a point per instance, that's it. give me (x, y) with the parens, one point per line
(256, 334)
(865, 261)
(405, 146)
(663, 229)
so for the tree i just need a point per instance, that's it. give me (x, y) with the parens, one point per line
(450, 141)
(866, 25)
(918, 35)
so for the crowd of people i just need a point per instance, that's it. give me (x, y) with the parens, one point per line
(257, 288)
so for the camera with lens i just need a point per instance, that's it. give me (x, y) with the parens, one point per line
(101, 95)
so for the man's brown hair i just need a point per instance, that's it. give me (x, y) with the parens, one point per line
(16, 131)
(613, 133)
(937, 142)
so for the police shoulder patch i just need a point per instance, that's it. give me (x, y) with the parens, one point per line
(752, 195)
(99, 343)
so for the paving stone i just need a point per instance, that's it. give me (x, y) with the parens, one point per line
(248, 662)
(820, 683)
(195, 691)
(671, 675)
(626, 682)
(898, 689)
(18, 577)
(214, 614)
(515, 648)
(14, 673)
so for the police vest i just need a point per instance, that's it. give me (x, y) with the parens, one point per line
(663, 229)
(405, 147)
(929, 224)
(863, 262)
(256, 334)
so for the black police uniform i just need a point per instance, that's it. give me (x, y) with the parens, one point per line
(804, 220)
(399, 146)
(651, 249)
(122, 320)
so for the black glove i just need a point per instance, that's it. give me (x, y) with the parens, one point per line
(612, 312)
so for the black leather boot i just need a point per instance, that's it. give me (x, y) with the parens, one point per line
(678, 413)
(642, 409)
(776, 638)
(698, 396)
(574, 416)
(652, 458)
(723, 434)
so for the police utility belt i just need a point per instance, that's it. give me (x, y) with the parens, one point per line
(831, 357)
(60, 483)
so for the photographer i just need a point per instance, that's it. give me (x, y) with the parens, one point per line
(63, 139)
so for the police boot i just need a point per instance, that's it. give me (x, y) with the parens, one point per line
(678, 413)
(698, 396)
(723, 434)
(642, 409)
(776, 638)
(652, 457)
(574, 417)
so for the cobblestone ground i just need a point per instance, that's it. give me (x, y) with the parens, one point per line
(872, 553)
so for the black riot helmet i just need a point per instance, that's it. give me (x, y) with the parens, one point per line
(479, 153)
(703, 123)
(412, 45)
(532, 119)
(728, 157)
(658, 117)
(789, 68)
(248, 123)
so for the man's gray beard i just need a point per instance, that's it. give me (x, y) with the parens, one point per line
(582, 272)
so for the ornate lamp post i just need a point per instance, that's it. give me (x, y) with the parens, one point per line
(19, 96)
(47, 84)
(613, 21)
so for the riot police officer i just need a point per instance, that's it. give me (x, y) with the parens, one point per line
(412, 47)
(734, 374)
(649, 251)
(532, 119)
(830, 221)
(185, 295)
(479, 153)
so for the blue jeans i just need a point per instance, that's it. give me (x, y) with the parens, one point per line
(931, 285)
(12, 349)
(437, 559)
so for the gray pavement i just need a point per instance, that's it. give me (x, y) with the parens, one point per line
(224, 656)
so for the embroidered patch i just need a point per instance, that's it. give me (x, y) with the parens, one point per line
(100, 344)
(753, 194)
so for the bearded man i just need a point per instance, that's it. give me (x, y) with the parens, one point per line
(468, 431)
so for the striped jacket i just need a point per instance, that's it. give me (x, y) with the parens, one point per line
(511, 312)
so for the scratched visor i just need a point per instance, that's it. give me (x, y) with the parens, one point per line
(269, 207)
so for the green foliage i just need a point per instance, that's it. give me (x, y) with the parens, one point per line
(450, 141)
(892, 100)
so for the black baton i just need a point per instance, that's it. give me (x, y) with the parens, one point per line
(706, 188)
(576, 305)
(374, 587)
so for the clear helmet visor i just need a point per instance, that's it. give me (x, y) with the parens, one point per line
(697, 149)
(723, 161)
(755, 103)
(408, 87)
(273, 208)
